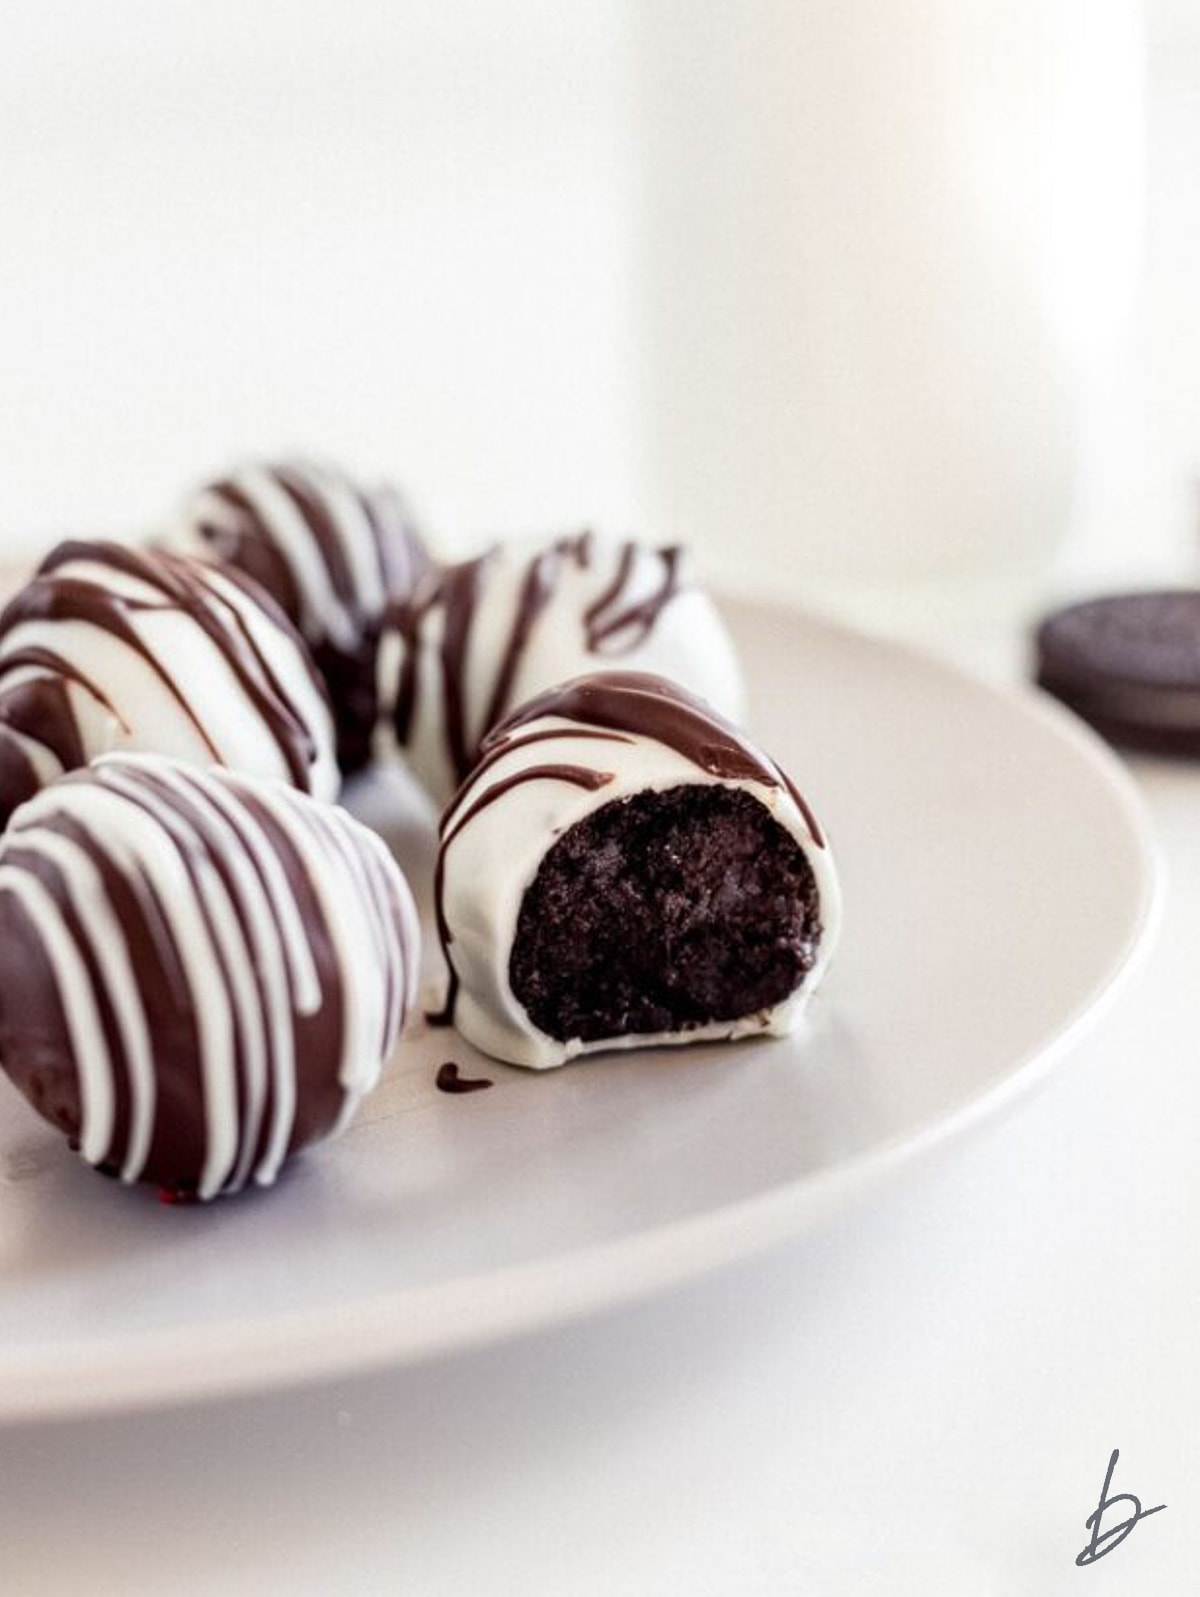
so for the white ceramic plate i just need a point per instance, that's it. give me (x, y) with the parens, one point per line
(998, 879)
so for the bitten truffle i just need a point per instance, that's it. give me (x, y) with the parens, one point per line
(110, 648)
(624, 868)
(333, 553)
(479, 638)
(200, 974)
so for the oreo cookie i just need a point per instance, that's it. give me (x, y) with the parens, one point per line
(1129, 664)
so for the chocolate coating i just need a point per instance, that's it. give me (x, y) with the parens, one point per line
(334, 554)
(110, 647)
(199, 974)
(624, 867)
(482, 636)
(636, 702)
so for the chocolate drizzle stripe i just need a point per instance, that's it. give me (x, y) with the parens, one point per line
(259, 681)
(204, 596)
(78, 1005)
(612, 619)
(36, 714)
(535, 593)
(611, 594)
(459, 595)
(79, 883)
(318, 1015)
(69, 598)
(217, 970)
(135, 899)
(639, 704)
(222, 882)
(58, 720)
(263, 1004)
(542, 578)
(20, 777)
(239, 543)
(511, 746)
(385, 937)
(577, 775)
(276, 518)
(334, 904)
(328, 535)
(638, 620)
(335, 554)
(405, 621)
(445, 1015)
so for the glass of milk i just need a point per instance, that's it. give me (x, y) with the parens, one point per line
(888, 253)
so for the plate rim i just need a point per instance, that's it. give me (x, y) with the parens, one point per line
(406, 1326)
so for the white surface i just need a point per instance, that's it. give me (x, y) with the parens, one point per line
(978, 936)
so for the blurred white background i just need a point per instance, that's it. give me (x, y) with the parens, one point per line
(435, 240)
(396, 234)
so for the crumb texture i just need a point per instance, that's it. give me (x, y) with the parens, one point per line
(663, 912)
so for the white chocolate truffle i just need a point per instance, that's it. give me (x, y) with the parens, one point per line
(331, 552)
(111, 648)
(480, 638)
(623, 868)
(200, 974)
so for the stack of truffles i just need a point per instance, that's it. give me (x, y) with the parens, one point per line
(206, 962)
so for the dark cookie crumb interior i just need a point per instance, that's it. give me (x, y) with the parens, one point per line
(663, 912)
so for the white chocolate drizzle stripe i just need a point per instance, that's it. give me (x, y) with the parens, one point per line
(235, 925)
(107, 943)
(197, 919)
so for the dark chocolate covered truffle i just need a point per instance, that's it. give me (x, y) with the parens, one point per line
(200, 974)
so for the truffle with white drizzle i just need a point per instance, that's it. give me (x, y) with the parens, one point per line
(200, 974)
(332, 552)
(479, 638)
(624, 868)
(110, 648)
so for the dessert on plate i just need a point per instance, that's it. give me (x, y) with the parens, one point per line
(479, 638)
(624, 868)
(332, 552)
(204, 965)
(200, 974)
(112, 648)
